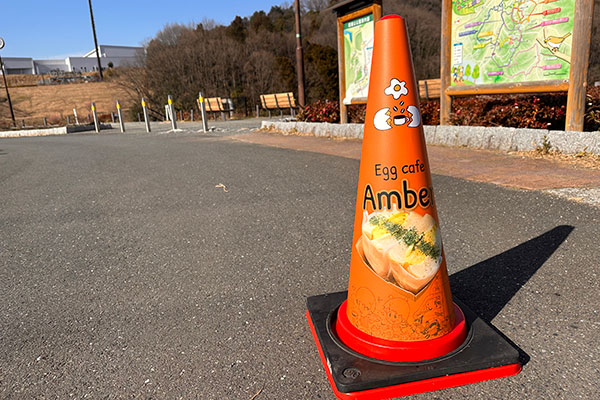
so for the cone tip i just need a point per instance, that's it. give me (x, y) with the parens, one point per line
(390, 16)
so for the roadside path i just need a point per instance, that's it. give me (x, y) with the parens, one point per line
(558, 178)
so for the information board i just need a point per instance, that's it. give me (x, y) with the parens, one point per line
(510, 41)
(358, 51)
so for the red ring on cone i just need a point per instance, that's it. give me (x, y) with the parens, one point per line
(391, 350)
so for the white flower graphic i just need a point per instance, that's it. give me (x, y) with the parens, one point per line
(396, 89)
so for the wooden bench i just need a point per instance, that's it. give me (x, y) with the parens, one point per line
(220, 105)
(430, 89)
(279, 101)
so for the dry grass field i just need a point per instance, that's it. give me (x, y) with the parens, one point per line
(56, 102)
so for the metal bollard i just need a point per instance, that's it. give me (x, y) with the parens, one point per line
(120, 114)
(230, 105)
(192, 115)
(172, 113)
(95, 115)
(202, 107)
(68, 120)
(257, 112)
(146, 120)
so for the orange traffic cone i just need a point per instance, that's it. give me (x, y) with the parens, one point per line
(399, 289)
(399, 308)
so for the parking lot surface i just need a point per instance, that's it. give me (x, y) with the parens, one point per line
(177, 265)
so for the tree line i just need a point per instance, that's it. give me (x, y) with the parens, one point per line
(257, 54)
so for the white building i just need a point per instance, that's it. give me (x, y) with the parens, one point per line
(116, 55)
(18, 65)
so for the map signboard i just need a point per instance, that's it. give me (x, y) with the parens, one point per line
(510, 41)
(358, 51)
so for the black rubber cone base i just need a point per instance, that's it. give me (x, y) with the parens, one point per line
(484, 355)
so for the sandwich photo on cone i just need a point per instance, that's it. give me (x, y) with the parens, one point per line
(403, 248)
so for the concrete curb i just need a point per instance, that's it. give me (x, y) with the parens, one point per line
(478, 137)
(34, 132)
(63, 130)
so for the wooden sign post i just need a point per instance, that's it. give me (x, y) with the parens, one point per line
(355, 29)
(526, 47)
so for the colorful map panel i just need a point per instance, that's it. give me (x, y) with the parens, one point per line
(502, 41)
(358, 51)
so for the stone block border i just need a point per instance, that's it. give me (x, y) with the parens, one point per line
(63, 130)
(478, 137)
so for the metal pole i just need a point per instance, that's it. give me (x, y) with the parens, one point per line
(192, 114)
(299, 56)
(12, 113)
(121, 123)
(202, 112)
(95, 41)
(96, 124)
(146, 120)
(172, 112)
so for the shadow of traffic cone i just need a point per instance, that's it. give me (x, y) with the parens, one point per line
(399, 314)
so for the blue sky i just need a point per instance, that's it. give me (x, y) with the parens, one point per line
(57, 29)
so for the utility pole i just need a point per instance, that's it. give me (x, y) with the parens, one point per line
(12, 113)
(299, 56)
(95, 41)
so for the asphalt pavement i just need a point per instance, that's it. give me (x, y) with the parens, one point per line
(176, 265)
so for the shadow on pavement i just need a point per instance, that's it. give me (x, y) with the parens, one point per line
(488, 286)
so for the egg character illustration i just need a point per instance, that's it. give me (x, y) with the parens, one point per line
(415, 116)
(396, 89)
(383, 119)
(388, 117)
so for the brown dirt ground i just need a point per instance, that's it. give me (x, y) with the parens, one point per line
(21, 80)
(55, 102)
(579, 160)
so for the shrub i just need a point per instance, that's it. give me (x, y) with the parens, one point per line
(320, 111)
(356, 113)
(592, 110)
(430, 112)
(517, 111)
(56, 120)
(541, 111)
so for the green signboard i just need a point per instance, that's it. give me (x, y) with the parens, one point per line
(502, 41)
(358, 51)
